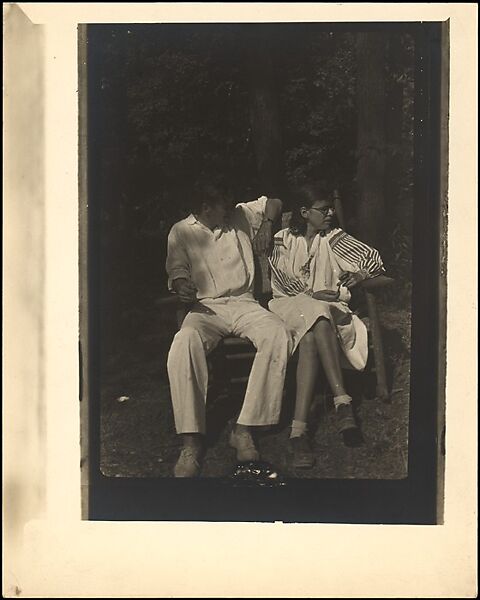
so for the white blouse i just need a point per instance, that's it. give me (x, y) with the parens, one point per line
(219, 262)
(296, 270)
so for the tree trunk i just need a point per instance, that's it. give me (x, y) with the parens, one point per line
(371, 136)
(394, 122)
(264, 111)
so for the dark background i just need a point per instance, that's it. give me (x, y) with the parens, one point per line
(176, 102)
(263, 107)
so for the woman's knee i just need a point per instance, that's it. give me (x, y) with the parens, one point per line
(321, 324)
(307, 343)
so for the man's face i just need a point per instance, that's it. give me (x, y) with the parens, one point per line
(217, 213)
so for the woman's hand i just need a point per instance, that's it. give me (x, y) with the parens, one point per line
(263, 240)
(327, 295)
(186, 290)
(349, 279)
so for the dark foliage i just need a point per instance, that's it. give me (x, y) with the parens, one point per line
(171, 103)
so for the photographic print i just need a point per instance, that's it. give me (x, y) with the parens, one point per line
(229, 233)
(255, 193)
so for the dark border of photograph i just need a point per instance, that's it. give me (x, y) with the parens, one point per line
(417, 499)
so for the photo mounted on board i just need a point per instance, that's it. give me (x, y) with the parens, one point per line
(263, 203)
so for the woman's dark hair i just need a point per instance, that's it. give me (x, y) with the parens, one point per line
(306, 196)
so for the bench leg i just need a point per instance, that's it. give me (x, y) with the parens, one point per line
(382, 389)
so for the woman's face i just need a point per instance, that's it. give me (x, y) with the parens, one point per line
(320, 215)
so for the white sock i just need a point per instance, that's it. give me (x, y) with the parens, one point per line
(298, 428)
(338, 400)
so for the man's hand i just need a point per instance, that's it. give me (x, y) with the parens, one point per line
(185, 289)
(327, 295)
(349, 279)
(263, 240)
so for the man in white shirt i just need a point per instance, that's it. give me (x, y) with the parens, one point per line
(210, 263)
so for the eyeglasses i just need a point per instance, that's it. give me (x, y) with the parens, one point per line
(324, 211)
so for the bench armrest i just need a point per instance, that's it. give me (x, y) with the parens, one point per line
(181, 309)
(171, 300)
(377, 282)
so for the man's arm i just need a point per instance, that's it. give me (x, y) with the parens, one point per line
(263, 240)
(178, 269)
(186, 290)
(273, 208)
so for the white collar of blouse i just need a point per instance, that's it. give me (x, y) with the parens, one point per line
(325, 234)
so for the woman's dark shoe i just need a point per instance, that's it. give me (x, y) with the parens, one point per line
(301, 452)
(353, 438)
(345, 418)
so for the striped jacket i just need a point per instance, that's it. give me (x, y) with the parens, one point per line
(350, 254)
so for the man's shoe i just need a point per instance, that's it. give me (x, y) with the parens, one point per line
(188, 463)
(345, 418)
(245, 446)
(301, 452)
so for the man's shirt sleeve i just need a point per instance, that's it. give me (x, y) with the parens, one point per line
(251, 214)
(177, 264)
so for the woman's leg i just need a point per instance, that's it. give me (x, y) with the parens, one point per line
(302, 455)
(306, 376)
(329, 352)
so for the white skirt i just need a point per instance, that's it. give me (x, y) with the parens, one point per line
(301, 312)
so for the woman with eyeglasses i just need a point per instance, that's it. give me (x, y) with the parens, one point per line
(314, 264)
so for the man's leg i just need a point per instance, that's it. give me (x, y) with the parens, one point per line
(188, 374)
(263, 398)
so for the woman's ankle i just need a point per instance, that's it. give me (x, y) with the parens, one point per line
(298, 428)
(341, 399)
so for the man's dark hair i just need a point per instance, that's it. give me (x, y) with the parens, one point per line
(210, 193)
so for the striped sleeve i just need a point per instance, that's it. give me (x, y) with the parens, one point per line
(357, 253)
(288, 286)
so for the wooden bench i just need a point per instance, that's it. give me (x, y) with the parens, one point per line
(235, 351)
